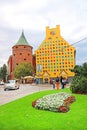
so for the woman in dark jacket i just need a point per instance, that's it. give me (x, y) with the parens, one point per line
(57, 83)
(63, 82)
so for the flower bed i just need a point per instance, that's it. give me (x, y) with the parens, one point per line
(58, 102)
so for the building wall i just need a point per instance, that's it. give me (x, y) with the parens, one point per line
(21, 53)
(9, 69)
(55, 55)
(34, 63)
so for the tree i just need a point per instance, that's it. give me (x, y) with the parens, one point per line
(81, 70)
(3, 72)
(77, 70)
(23, 69)
(84, 70)
(79, 83)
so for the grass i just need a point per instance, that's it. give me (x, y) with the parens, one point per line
(20, 115)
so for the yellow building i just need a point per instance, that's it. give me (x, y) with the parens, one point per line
(54, 57)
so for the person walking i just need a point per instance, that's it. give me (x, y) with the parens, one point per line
(57, 83)
(63, 82)
(53, 84)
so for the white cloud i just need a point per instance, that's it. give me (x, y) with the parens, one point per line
(33, 16)
(24, 14)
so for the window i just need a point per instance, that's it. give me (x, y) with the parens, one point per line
(24, 58)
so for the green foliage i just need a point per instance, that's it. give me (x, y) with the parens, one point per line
(79, 83)
(77, 70)
(23, 69)
(81, 70)
(3, 72)
(84, 70)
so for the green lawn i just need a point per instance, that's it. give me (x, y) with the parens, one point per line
(20, 115)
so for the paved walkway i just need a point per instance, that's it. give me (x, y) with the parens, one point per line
(25, 89)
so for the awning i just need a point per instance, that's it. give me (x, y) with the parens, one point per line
(28, 77)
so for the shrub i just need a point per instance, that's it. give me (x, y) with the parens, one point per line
(79, 85)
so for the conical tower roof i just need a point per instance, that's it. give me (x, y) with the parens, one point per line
(22, 40)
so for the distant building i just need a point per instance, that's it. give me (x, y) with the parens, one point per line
(21, 52)
(54, 57)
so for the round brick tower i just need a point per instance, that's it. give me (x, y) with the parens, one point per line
(21, 52)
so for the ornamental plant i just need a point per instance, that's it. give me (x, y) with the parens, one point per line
(79, 83)
(58, 102)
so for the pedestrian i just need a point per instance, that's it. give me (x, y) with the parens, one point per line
(57, 83)
(63, 83)
(61, 80)
(37, 81)
(23, 81)
(53, 84)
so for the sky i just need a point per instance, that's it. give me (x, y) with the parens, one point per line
(33, 17)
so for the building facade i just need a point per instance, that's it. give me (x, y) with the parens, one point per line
(54, 57)
(21, 52)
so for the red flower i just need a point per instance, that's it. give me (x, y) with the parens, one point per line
(62, 109)
(70, 99)
(34, 103)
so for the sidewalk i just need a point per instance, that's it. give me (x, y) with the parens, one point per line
(25, 89)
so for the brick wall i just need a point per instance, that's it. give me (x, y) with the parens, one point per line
(21, 53)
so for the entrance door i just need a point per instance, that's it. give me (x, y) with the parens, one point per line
(46, 80)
